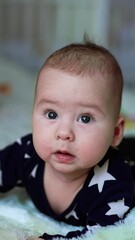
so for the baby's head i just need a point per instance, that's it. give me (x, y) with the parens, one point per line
(87, 60)
(79, 88)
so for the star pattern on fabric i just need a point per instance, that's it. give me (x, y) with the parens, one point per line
(117, 208)
(19, 181)
(34, 171)
(28, 142)
(26, 155)
(100, 176)
(19, 141)
(72, 214)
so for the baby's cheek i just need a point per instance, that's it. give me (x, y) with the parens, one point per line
(45, 151)
(88, 155)
(83, 152)
(42, 148)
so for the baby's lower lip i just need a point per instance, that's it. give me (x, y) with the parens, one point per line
(64, 157)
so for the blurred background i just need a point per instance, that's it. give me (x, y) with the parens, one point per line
(32, 29)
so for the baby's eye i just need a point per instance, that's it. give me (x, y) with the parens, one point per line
(51, 115)
(85, 119)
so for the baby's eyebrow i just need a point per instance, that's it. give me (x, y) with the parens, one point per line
(47, 101)
(91, 106)
(83, 105)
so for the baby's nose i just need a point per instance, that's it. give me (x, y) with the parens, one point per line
(65, 133)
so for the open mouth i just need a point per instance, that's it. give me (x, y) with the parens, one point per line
(63, 156)
(63, 152)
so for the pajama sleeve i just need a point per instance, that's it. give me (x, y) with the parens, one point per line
(12, 164)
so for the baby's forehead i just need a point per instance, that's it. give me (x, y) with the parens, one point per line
(104, 82)
(106, 79)
(99, 79)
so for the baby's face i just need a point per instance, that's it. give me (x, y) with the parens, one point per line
(73, 121)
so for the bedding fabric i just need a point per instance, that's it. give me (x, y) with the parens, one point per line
(20, 220)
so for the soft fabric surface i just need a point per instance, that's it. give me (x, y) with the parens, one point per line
(20, 220)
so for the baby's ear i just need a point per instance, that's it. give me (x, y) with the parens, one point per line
(118, 132)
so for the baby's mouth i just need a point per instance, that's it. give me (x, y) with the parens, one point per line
(64, 156)
(63, 152)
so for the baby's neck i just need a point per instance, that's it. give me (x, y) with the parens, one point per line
(61, 189)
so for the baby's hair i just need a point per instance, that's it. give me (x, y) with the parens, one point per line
(88, 59)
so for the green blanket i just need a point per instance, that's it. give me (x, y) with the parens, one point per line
(20, 220)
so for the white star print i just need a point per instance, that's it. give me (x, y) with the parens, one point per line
(33, 173)
(19, 182)
(28, 142)
(117, 208)
(101, 175)
(27, 155)
(72, 213)
(19, 141)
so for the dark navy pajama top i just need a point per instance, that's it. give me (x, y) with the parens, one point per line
(105, 198)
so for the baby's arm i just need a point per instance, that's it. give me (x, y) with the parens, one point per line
(12, 162)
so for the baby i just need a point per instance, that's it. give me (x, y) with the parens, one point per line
(70, 165)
